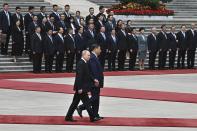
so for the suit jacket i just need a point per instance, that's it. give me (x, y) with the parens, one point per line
(191, 40)
(27, 20)
(43, 29)
(132, 42)
(182, 41)
(83, 79)
(80, 42)
(90, 17)
(36, 44)
(49, 46)
(142, 43)
(109, 26)
(101, 41)
(90, 40)
(104, 17)
(152, 43)
(70, 44)
(67, 17)
(4, 25)
(62, 24)
(17, 35)
(122, 41)
(111, 44)
(98, 26)
(51, 26)
(172, 41)
(59, 44)
(40, 17)
(96, 69)
(56, 17)
(14, 19)
(31, 28)
(162, 41)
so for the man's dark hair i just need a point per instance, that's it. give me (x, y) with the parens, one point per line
(31, 7)
(101, 7)
(17, 8)
(94, 46)
(5, 4)
(42, 7)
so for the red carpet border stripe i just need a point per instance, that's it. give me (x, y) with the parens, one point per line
(109, 92)
(117, 73)
(108, 121)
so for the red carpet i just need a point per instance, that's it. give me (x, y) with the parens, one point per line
(108, 121)
(118, 73)
(109, 92)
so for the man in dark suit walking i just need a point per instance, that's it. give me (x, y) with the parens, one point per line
(5, 26)
(82, 85)
(97, 73)
(37, 50)
(152, 48)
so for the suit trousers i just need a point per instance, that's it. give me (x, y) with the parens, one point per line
(152, 57)
(181, 58)
(86, 102)
(190, 58)
(37, 62)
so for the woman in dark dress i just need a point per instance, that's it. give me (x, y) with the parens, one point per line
(17, 40)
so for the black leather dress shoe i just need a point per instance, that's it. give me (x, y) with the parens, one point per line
(79, 111)
(95, 119)
(70, 119)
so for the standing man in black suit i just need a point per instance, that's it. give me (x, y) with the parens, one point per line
(152, 47)
(62, 23)
(122, 47)
(70, 50)
(163, 46)
(99, 23)
(33, 25)
(191, 36)
(109, 25)
(50, 24)
(90, 16)
(173, 44)
(90, 36)
(101, 12)
(82, 85)
(49, 51)
(5, 26)
(132, 47)
(80, 43)
(18, 16)
(42, 14)
(102, 41)
(182, 47)
(67, 14)
(60, 49)
(98, 77)
(55, 14)
(37, 49)
(28, 18)
(112, 41)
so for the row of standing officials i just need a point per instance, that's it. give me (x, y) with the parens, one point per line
(59, 36)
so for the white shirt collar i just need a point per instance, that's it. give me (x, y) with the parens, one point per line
(94, 53)
(83, 59)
